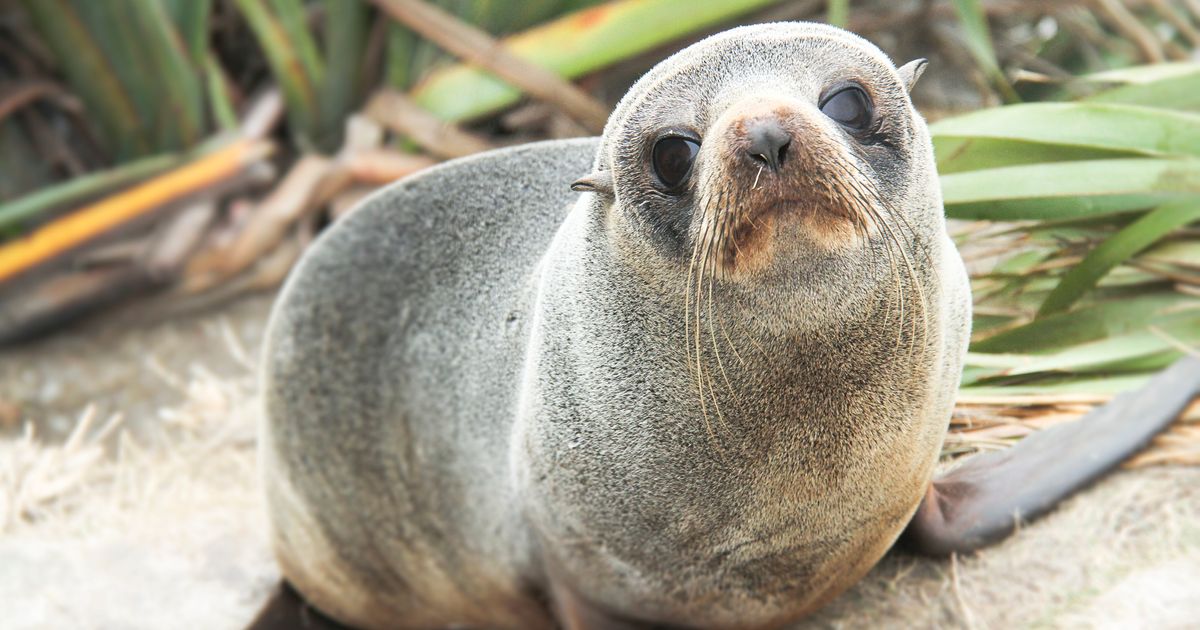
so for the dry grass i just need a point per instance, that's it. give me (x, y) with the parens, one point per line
(998, 422)
(106, 477)
(108, 531)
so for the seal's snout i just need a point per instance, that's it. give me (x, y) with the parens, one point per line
(767, 142)
(787, 166)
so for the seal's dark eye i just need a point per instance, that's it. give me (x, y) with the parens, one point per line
(673, 157)
(850, 106)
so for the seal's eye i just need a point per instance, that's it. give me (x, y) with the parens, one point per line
(673, 157)
(849, 106)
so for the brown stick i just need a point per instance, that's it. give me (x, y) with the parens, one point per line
(266, 227)
(21, 94)
(477, 47)
(383, 166)
(1180, 22)
(445, 140)
(1128, 25)
(175, 240)
(263, 115)
(348, 200)
(265, 274)
(1193, 6)
(64, 298)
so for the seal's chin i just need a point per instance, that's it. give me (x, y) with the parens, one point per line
(741, 237)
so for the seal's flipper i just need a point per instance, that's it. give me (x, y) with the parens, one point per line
(575, 613)
(981, 501)
(285, 610)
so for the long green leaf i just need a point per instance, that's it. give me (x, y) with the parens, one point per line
(182, 97)
(1140, 75)
(979, 43)
(292, 18)
(115, 31)
(1068, 189)
(90, 74)
(14, 213)
(838, 12)
(1117, 127)
(1127, 352)
(398, 70)
(1120, 247)
(220, 103)
(297, 85)
(191, 18)
(1134, 352)
(958, 154)
(1107, 384)
(345, 41)
(1089, 323)
(1181, 91)
(574, 45)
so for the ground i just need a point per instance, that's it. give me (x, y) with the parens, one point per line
(152, 518)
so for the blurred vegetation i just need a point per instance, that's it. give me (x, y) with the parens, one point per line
(1081, 195)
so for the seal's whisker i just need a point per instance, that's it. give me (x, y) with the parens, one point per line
(861, 212)
(694, 337)
(710, 208)
(697, 240)
(863, 207)
(893, 245)
(910, 276)
(891, 239)
(712, 249)
(720, 366)
(732, 346)
(911, 240)
(929, 266)
(687, 299)
(695, 368)
(713, 336)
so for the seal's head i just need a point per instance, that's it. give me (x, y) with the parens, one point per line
(771, 153)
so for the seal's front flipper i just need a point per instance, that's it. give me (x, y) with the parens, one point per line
(285, 610)
(981, 501)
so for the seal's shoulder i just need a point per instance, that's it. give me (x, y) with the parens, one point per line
(489, 179)
(444, 234)
(463, 204)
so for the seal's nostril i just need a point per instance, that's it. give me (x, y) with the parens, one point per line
(768, 142)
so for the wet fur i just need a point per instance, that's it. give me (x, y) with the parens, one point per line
(489, 398)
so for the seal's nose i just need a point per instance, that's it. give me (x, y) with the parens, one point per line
(768, 141)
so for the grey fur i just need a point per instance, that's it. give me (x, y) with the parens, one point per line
(481, 388)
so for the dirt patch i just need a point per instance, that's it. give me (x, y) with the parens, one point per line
(151, 518)
(117, 367)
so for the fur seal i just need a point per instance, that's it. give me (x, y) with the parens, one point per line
(708, 392)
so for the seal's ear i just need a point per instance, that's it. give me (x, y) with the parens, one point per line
(600, 181)
(911, 71)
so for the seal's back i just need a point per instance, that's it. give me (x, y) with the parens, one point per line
(390, 381)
